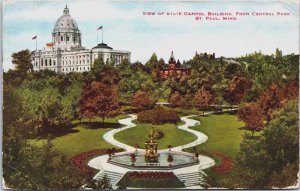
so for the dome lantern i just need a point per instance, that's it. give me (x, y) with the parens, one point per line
(66, 10)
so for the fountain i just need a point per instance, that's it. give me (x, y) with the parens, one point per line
(150, 158)
(151, 148)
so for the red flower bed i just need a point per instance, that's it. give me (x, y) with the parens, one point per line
(80, 159)
(152, 175)
(226, 163)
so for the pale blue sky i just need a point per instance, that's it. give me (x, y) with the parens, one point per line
(126, 28)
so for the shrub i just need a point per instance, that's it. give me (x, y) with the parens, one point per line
(158, 116)
(158, 134)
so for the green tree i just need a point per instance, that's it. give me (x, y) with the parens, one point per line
(261, 161)
(152, 62)
(97, 67)
(22, 61)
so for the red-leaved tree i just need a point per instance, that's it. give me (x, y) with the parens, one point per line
(141, 100)
(236, 89)
(99, 100)
(175, 100)
(252, 115)
(204, 97)
(271, 99)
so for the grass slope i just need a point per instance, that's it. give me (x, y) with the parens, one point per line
(83, 136)
(223, 131)
(139, 134)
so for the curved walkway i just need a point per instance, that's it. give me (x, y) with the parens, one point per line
(109, 136)
(185, 174)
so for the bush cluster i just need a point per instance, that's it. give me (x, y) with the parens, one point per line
(158, 115)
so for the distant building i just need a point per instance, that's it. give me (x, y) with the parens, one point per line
(173, 69)
(66, 53)
(205, 56)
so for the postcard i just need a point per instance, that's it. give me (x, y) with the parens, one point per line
(150, 94)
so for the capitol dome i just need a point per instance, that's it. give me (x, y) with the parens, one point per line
(66, 34)
(65, 23)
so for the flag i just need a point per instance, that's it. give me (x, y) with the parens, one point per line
(99, 28)
(34, 37)
(49, 44)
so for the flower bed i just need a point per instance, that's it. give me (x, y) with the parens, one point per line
(155, 175)
(147, 179)
(226, 163)
(80, 159)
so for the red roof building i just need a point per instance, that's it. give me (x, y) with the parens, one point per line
(173, 69)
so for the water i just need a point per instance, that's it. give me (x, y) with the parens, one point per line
(178, 159)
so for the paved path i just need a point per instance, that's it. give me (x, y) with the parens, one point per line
(101, 164)
(109, 136)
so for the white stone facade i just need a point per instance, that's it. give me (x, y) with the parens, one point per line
(67, 54)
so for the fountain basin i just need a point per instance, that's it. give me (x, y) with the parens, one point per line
(180, 159)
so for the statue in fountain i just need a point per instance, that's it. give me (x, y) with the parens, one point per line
(151, 148)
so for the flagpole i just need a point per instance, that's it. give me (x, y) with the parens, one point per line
(36, 43)
(97, 37)
(102, 34)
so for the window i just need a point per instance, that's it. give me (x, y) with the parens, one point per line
(74, 39)
(63, 69)
(36, 64)
(62, 38)
(46, 62)
(53, 62)
(50, 62)
(68, 37)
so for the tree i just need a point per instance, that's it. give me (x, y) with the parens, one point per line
(271, 99)
(187, 101)
(110, 77)
(204, 97)
(97, 68)
(98, 100)
(152, 62)
(273, 159)
(236, 90)
(175, 100)
(22, 61)
(252, 115)
(141, 100)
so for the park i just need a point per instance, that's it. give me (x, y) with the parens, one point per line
(217, 124)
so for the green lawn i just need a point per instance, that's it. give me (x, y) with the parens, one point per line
(223, 131)
(83, 137)
(225, 134)
(139, 134)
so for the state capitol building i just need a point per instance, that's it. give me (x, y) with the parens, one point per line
(67, 55)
